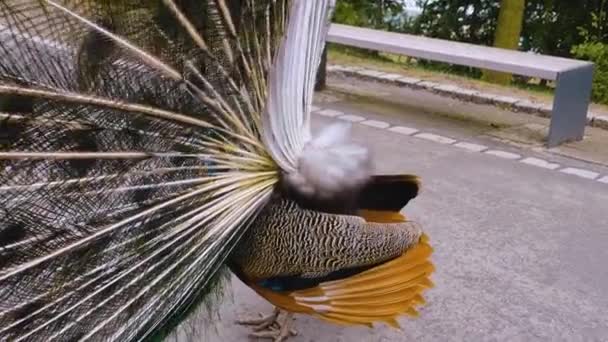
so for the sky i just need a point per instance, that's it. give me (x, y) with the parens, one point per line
(411, 6)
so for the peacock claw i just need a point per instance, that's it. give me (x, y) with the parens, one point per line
(262, 323)
(275, 335)
(269, 327)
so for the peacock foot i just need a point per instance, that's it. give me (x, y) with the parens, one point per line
(264, 322)
(269, 326)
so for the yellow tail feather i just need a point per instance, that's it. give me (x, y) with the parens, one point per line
(380, 294)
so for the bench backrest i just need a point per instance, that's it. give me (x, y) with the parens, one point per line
(515, 62)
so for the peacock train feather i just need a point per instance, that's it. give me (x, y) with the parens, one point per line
(138, 140)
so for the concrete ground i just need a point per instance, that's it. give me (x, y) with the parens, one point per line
(520, 250)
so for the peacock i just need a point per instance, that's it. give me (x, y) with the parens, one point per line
(150, 149)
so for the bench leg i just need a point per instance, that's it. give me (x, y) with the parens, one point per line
(321, 80)
(570, 106)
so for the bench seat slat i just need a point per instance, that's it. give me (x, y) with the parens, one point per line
(516, 62)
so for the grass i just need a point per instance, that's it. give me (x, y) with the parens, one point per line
(466, 77)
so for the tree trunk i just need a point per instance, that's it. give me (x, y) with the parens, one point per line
(508, 32)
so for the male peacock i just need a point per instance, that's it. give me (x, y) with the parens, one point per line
(145, 145)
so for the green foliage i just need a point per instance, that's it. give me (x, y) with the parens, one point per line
(597, 30)
(373, 14)
(596, 52)
(550, 26)
(365, 13)
(595, 49)
(554, 26)
(471, 21)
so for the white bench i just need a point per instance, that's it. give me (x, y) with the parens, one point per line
(573, 77)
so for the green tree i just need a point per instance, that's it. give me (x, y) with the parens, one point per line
(595, 49)
(372, 14)
(553, 26)
(508, 33)
(470, 21)
(549, 27)
(365, 13)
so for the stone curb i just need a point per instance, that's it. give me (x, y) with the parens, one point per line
(510, 103)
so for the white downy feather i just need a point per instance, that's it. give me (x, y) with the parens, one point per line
(330, 163)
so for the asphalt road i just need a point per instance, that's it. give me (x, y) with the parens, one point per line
(520, 251)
